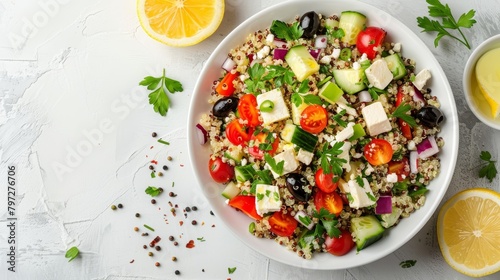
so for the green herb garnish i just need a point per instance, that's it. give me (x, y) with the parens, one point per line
(284, 31)
(276, 167)
(329, 160)
(163, 142)
(160, 85)
(407, 263)
(400, 112)
(72, 253)
(338, 118)
(201, 239)
(255, 82)
(148, 227)
(280, 75)
(231, 270)
(488, 170)
(153, 191)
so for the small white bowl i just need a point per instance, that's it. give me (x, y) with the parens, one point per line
(474, 98)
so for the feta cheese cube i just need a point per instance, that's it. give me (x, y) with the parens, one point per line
(349, 110)
(392, 178)
(267, 199)
(279, 112)
(376, 119)
(397, 47)
(269, 38)
(378, 74)
(346, 133)
(421, 79)
(336, 53)
(305, 156)
(263, 52)
(290, 162)
(325, 59)
(304, 219)
(362, 196)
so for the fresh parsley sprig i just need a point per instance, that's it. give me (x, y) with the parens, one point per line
(153, 191)
(400, 112)
(327, 222)
(160, 85)
(438, 10)
(276, 167)
(255, 80)
(488, 170)
(329, 160)
(287, 32)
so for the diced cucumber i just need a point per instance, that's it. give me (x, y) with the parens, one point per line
(230, 191)
(296, 135)
(358, 132)
(396, 65)
(352, 23)
(244, 173)
(331, 23)
(234, 154)
(367, 230)
(301, 62)
(297, 111)
(330, 92)
(388, 220)
(350, 80)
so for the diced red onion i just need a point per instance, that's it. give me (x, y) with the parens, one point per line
(413, 162)
(251, 57)
(280, 44)
(280, 53)
(320, 42)
(228, 64)
(418, 96)
(384, 205)
(315, 53)
(427, 148)
(364, 96)
(202, 134)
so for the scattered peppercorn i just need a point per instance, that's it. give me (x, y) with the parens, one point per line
(150, 254)
(145, 234)
(177, 272)
(137, 215)
(158, 248)
(136, 229)
(174, 258)
(165, 167)
(151, 167)
(188, 209)
(171, 194)
(160, 174)
(172, 210)
(160, 189)
(153, 201)
(154, 134)
(194, 222)
(202, 270)
(171, 238)
(120, 205)
(157, 264)
(176, 243)
(113, 207)
(212, 213)
(145, 246)
(169, 158)
(194, 208)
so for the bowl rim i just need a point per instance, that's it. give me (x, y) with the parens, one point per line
(452, 122)
(487, 45)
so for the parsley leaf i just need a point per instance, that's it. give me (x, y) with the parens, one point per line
(153, 191)
(160, 85)
(304, 86)
(201, 239)
(284, 31)
(338, 118)
(276, 167)
(337, 33)
(360, 182)
(407, 263)
(279, 74)
(329, 160)
(488, 170)
(255, 81)
(72, 253)
(231, 270)
(400, 112)
(438, 10)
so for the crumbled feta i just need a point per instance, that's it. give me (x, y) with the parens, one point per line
(369, 169)
(363, 57)
(356, 65)
(263, 52)
(362, 196)
(280, 110)
(411, 145)
(325, 59)
(270, 38)
(392, 178)
(421, 79)
(397, 47)
(349, 110)
(304, 156)
(376, 119)
(336, 53)
(346, 133)
(378, 74)
(267, 199)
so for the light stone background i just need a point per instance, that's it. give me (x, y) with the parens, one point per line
(77, 127)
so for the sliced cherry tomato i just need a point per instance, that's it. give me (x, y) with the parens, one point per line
(325, 181)
(282, 224)
(314, 118)
(378, 151)
(370, 39)
(226, 86)
(221, 172)
(246, 204)
(401, 168)
(341, 245)
(330, 201)
(237, 134)
(261, 141)
(247, 108)
(405, 128)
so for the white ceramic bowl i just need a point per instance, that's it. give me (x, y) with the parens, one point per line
(413, 47)
(472, 94)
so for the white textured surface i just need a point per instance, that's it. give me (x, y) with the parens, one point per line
(69, 96)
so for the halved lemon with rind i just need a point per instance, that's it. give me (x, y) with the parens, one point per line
(180, 23)
(468, 230)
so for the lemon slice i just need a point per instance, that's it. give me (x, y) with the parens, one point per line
(488, 78)
(180, 23)
(468, 232)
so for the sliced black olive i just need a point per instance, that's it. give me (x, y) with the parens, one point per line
(224, 106)
(430, 116)
(295, 183)
(310, 23)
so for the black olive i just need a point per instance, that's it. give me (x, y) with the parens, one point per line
(224, 106)
(310, 24)
(430, 116)
(295, 183)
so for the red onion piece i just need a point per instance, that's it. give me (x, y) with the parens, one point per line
(417, 95)
(413, 162)
(320, 42)
(384, 205)
(228, 64)
(280, 44)
(202, 134)
(251, 57)
(364, 96)
(427, 148)
(280, 54)
(315, 53)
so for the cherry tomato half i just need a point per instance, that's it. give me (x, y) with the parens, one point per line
(341, 245)
(246, 204)
(325, 181)
(378, 151)
(370, 39)
(221, 172)
(401, 168)
(247, 108)
(330, 201)
(282, 224)
(226, 86)
(314, 118)
(405, 128)
(237, 134)
(261, 141)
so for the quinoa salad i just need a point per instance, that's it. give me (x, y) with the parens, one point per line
(323, 133)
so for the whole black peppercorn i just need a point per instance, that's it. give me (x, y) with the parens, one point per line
(176, 243)
(194, 208)
(120, 205)
(153, 201)
(137, 215)
(151, 167)
(188, 209)
(145, 246)
(158, 248)
(194, 222)
(171, 238)
(154, 134)
(165, 167)
(177, 272)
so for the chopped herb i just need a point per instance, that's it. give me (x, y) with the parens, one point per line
(337, 33)
(153, 175)
(370, 196)
(260, 196)
(148, 227)
(400, 112)
(284, 31)
(268, 193)
(360, 182)
(304, 86)
(163, 142)
(349, 197)
(488, 170)
(276, 196)
(407, 263)
(201, 239)
(231, 270)
(306, 220)
(153, 191)
(72, 253)
(276, 167)
(375, 92)
(160, 85)
(279, 74)
(330, 163)
(338, 118)
(412, 77)
(255, 81)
